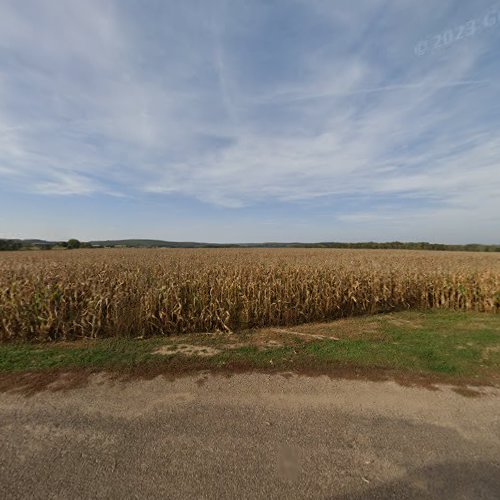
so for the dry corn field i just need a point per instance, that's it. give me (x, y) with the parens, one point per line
(107, 292)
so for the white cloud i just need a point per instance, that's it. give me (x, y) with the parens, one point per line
(94, 100)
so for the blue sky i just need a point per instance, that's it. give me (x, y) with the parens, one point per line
(234, 121)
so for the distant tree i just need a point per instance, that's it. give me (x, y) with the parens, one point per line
(72, 243)
(10, 245)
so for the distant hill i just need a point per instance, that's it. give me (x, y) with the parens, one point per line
(139, 243)
(18, 244)
(144, 243)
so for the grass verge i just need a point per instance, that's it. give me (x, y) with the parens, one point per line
(410, 347)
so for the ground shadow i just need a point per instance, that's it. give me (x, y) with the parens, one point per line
(457, 480)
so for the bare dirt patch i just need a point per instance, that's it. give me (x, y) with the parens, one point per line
(187, 350)
(414, 324)
(262, 339)
(337, 330)
(260, 344)
(302, 334)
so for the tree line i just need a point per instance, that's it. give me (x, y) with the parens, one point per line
(12, 244)
(16, 244)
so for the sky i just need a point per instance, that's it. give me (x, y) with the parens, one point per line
(250, 120)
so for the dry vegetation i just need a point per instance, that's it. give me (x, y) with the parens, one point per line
(102, 293)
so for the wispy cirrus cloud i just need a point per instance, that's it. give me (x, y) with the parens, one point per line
(238, 103)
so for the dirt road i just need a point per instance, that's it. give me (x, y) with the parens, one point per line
(249, 436)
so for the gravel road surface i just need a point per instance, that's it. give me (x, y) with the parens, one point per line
(249, 436)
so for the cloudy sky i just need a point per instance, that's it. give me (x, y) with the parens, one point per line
(250, 120)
